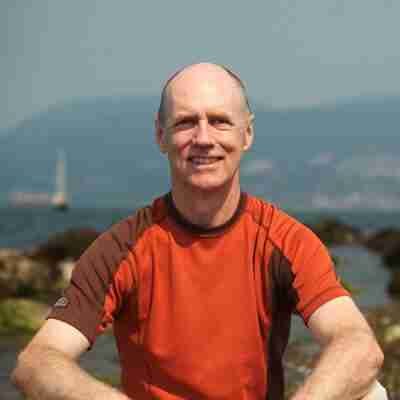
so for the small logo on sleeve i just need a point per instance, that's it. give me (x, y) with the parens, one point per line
(61, 302)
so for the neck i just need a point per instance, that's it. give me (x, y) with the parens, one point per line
(208, 209)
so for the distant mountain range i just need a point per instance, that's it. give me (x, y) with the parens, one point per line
(334, 156)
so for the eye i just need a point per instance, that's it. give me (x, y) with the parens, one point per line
(219, 122)
(185, 123)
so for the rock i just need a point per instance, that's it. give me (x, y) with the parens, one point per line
(384, 240)
(22, 276)
(394, 284)
(46, 269)
(385, 322)
(67, 245)
(391, 258)
(387, 243)
(65, 268)
(333, 232)
(392, 334)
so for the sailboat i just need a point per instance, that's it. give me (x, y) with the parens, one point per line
(59, 200)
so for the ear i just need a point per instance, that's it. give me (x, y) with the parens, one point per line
(249, 133)
(161, 137)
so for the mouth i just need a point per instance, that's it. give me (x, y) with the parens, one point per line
(202, 160)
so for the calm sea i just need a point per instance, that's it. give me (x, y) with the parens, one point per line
(24, 227)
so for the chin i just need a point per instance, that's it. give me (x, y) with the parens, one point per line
(208, 185)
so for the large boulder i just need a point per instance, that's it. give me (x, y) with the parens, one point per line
(333, 232)
(66, 245)
(22, 276)
(383, 241)
(45, 269)
(394, 284)
(300, 356)
(387, 243)
(392, 257)
(385, 322)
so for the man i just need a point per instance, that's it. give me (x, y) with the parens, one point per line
(200, 285)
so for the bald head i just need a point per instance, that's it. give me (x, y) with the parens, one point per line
(202, 72)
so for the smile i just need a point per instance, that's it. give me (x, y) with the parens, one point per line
(204, 160)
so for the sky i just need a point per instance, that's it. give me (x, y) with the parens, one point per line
(290, 53)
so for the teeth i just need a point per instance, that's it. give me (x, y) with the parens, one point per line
(204, 160)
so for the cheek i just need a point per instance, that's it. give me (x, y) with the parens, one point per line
(231, 145)
(180, 147)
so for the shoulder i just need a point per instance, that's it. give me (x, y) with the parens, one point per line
(287, 235)
(122, 237)
(281, 226)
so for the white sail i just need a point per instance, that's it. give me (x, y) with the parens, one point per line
(60, 197)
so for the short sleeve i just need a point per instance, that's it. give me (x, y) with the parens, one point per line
(100, 283)
(315, 278)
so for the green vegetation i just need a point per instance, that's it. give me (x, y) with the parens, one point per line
(21, 316)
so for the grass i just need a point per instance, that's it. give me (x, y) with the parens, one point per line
(21, 316)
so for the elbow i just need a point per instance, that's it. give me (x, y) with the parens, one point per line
(379, 357)
(374, 357)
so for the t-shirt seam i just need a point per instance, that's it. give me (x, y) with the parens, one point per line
(274, 243)
(280, 249)
(133, 247)
(131, 250)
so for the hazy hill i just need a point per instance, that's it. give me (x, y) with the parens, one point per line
(332, 156)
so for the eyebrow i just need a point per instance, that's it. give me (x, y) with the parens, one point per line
(190, 116)
(211, 113)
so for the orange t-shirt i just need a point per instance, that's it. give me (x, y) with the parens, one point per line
(200, 313)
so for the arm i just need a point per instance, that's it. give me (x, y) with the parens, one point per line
(350, 358)
(47, 368)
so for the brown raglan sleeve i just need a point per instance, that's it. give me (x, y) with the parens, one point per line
(315, 279)
(101, 281)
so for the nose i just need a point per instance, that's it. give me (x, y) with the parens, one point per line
(203, 136)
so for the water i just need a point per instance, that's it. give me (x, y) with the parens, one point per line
(366, 274)
(24, 227)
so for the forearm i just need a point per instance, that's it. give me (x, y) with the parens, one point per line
(345, 370)
(47, 374)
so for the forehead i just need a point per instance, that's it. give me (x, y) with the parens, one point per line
(203, 88)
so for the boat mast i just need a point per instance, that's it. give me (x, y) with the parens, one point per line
(61, 185)
(60, 196)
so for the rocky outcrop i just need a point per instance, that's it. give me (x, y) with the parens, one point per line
(22, 276)
(45, 269)
(333, 232)
(392, 257)
(387, 243)
(383, 241)
(394, 284)
(66, 245)
(385, 322)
